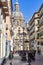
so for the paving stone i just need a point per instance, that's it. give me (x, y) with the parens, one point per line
(17, 61)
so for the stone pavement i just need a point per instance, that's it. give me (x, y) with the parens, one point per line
(38, 61)
(17, 60)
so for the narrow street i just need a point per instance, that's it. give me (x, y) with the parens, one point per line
(17, 60)
(21, 31)
(38, 61)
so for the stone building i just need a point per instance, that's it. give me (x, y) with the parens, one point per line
(18, 22)
(33, 27)
(36, 31)
(19, 28)
(41, 29)
(4, 28)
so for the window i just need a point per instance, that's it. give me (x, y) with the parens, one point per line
(6, 33)
(19, 30)
(38, 21)
(6, 27)
(37, 36)
(38, 14)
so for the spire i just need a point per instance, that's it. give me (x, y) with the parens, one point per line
(16, 6)
(16, 0)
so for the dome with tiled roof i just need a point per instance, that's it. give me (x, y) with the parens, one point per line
(17, 13)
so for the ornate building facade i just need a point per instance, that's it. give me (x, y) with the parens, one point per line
(18, 22)
(36, 30)
(18, 27)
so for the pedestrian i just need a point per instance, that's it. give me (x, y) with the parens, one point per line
(29, 58)
(10, 63)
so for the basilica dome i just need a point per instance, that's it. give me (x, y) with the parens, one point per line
(17, 13)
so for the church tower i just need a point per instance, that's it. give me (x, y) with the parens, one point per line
(18, 21)
(18, 16)
(16, 6)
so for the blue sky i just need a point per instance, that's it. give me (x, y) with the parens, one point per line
(28, 7)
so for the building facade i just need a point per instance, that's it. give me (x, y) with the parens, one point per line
(41, 29)
(36, 31)
(20, 31)
(4, 22)
(33, 27)
(18, 21)
(26, 40)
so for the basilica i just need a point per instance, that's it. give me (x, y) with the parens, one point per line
(20, 29)
(15, 33)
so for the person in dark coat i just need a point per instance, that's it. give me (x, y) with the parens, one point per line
(29, 58)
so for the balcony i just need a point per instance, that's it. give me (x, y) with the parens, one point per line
(3, 2)
(32, 39)
(40, 40)
(41, 34)
(32, 36)
(26, 41)
(31, 26)
(41, 28)
(41, 14)
(41, 37)
(41, 31)
(4, 5)
(5, 9)
(33, 29)
(41, 23)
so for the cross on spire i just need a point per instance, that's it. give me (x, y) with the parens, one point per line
(16, 0)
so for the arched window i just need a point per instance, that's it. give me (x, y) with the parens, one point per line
(6, 26)
(19, 30)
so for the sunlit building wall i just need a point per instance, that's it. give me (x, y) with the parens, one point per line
(4, 21)
(36, 30)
